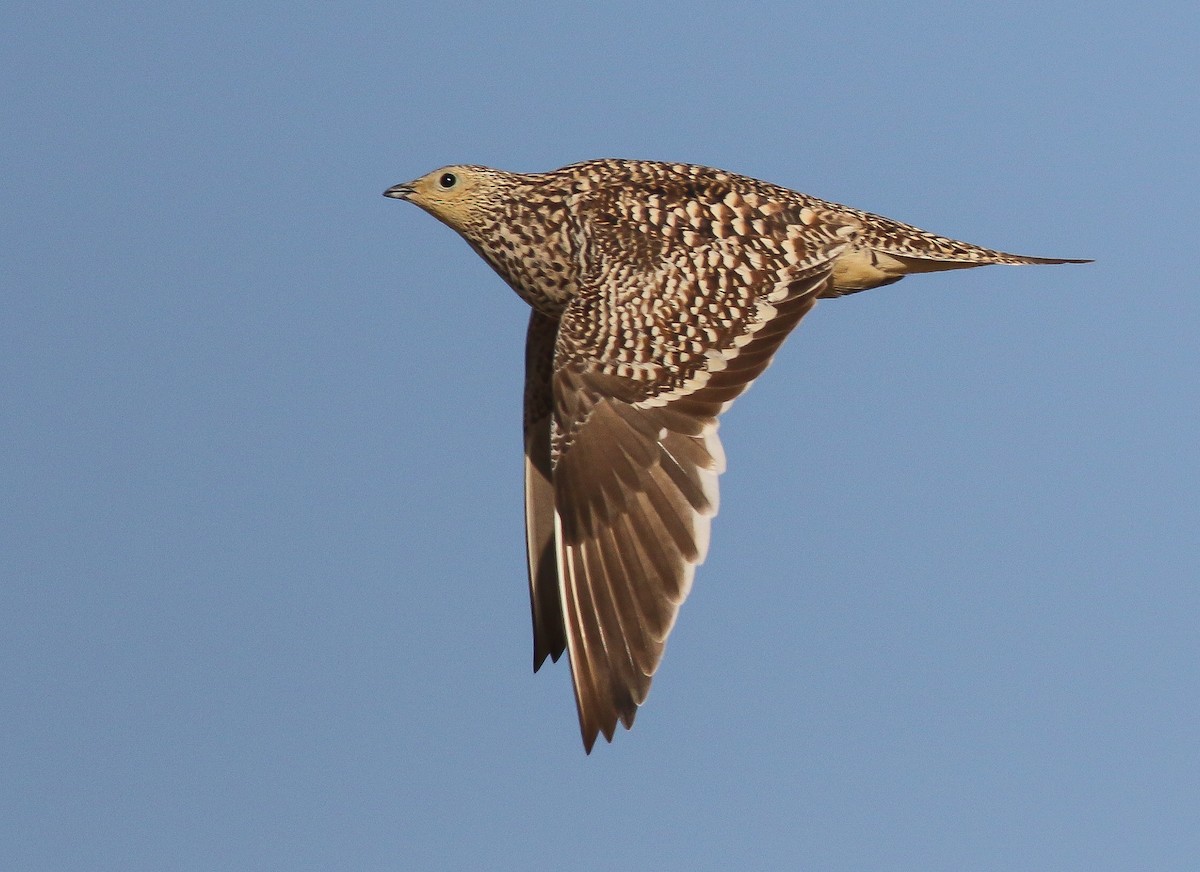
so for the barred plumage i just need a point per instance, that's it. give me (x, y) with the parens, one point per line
(659, 292)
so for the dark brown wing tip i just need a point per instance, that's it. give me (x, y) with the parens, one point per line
(549, 634)
(590, 736)
(592, 732)
(540, 655)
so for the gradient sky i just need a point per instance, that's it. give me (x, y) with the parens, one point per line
(262, 595)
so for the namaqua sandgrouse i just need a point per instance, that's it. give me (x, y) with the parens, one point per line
(659, 292)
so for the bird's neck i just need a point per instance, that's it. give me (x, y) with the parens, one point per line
(533, 251)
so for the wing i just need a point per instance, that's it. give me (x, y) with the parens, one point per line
(549, 634)
(636, 454)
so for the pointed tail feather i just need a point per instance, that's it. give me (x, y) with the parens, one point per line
(972, 256)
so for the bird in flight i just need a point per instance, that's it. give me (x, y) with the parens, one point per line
(659, 292)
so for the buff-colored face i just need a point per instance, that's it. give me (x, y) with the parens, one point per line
(451, 194)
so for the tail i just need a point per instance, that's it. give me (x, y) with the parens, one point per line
(886, 251)
(973, 256)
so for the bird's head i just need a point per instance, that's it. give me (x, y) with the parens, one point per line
(459, 196)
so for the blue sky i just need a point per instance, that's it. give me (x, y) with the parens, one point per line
(262, 602)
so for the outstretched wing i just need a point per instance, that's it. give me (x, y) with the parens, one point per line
(643, 366)
(549, 634)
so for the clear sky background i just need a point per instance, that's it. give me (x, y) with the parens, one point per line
(262, 594)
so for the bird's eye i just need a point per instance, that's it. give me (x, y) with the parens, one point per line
(448, 181)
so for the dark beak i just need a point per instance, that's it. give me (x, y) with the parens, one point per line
(398, 192)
